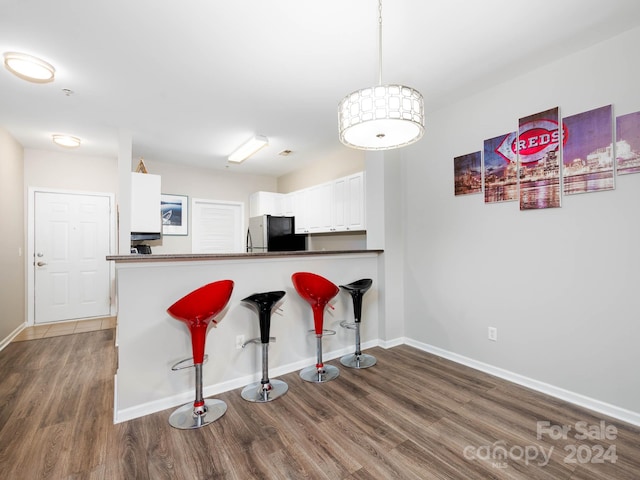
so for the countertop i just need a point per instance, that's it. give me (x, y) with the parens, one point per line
(167, 257)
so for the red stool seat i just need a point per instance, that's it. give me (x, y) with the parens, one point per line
(197, 310)
(317, 291)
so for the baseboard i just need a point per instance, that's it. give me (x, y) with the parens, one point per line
(11, 336)
(141, 410)
(551, 390)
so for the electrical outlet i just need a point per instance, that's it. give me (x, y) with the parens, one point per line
(239, 341)
(493, 334)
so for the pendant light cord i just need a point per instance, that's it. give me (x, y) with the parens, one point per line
(379, 42)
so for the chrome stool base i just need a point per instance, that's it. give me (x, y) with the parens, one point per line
(358, 361)
(187, 418)
(316, 375)
(256, 392)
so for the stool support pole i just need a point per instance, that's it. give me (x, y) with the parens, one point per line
(319, 363)
(199, 402)
(358, 351)
(265, 364)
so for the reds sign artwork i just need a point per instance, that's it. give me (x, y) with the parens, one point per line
(537, 137)
(537, 150)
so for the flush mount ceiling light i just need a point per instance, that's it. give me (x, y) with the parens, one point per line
(248, 148)
(66, 141)
(29, 68)
(381, 117)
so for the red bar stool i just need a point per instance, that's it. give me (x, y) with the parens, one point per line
(264, 390)
(317, 291)
(197, 309)
(358, 359)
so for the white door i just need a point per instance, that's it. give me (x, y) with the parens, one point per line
(71, 241)
(218, 227)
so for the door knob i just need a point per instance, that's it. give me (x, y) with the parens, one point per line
(41, 264)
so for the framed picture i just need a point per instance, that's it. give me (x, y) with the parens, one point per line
(175, 214)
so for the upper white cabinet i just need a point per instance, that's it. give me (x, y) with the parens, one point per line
(300, 209)
(266, 203)
(355, 202)
(320, 208)
(335, 206)
(348, 204)
(145, 203)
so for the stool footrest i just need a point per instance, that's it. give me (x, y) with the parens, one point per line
(348, 325)
(257, 340)
(178, 366)
(324, 332)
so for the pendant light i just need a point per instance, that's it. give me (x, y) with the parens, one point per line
(381, 117)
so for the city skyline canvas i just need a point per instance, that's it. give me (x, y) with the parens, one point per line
(538, 160)
(587, 152)
(467, 170)
(628, 143)
(500, 169)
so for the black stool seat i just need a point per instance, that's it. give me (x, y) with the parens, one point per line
(265, 390)
(357, 290)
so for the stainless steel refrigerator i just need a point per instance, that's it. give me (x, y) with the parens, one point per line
(269, 233)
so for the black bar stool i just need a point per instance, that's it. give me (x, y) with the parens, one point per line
(264, 390)
(317, 291)
(358, 359)
(197, 309)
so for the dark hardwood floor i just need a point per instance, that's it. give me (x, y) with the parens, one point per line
(412, 416)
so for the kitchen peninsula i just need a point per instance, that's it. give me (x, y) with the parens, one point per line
(149, 341)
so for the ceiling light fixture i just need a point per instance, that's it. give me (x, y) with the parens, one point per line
(248, 148)
(66, 141)
(381, 117)
(29, 68)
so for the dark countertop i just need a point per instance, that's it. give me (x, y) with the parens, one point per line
(168, 257)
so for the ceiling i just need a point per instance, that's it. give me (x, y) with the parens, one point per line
(192, 80)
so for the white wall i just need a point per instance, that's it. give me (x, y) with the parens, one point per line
(345, 162)
(69, 171)
(12, 245)
(196, 182)
(560, 285)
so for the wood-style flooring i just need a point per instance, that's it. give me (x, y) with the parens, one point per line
(57, 329)
(412, 416)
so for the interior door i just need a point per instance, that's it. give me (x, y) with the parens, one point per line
(218, 226)
(71, 241)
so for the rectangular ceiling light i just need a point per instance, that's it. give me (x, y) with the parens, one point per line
(249, 148)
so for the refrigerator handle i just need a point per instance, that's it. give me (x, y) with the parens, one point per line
(249, 242)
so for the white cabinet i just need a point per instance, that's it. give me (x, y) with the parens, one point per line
(300, 201)
(347, 204)
(288, 205)
(335, 206)
(320, 208)
(355, 203)
(145, 203)
(266, 203)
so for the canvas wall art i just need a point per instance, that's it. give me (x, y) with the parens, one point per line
(628, 143)
(538, 160)
(175, 216)
(467, 170)
(500, 169)
(587, 152)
